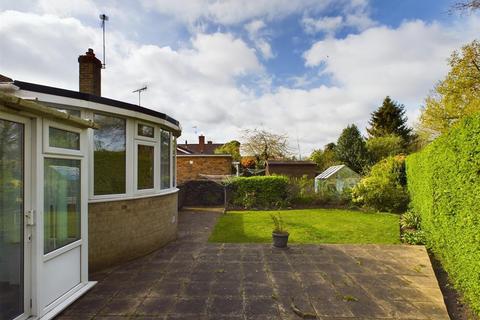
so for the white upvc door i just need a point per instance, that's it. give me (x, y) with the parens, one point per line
(15, 211)
(62, 234)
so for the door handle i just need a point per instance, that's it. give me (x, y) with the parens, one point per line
(30, 218)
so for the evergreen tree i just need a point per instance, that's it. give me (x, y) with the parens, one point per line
(351, 149)
(389, 119)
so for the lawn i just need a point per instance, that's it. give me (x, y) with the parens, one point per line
(309, 226)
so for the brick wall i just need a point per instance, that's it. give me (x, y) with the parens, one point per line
(189, 167)
(122, 230)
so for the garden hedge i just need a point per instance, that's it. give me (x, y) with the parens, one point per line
(444, 186)
(259, 192)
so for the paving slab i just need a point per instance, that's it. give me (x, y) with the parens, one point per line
(193, 279)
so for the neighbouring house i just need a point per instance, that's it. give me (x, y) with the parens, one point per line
(290, 168)
(86, 182)
(337, 178)
(197, 160)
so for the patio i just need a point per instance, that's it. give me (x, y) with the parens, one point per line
(193, 279)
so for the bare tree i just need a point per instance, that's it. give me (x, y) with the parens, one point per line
(264, 145)
(464, 6)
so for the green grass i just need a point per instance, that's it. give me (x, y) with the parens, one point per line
(309, 226)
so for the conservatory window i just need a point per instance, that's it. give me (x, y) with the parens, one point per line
(109, 155)
(144, 130)
(145, 166)
(59, 138)
(165, 160)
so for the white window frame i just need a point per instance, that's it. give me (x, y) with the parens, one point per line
(155, 131)
(156, 176)
(61, 151)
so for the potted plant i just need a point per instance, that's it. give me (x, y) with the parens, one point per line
(279, 234)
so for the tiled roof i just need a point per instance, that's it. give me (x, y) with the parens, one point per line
(195, 148)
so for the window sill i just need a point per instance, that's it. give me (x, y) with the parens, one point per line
(164, 192)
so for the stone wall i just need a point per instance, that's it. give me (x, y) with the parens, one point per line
(190, 167)
(123, 230)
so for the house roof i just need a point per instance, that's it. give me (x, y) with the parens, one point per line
(90, 97)
(290, 163)
(330, 172)
(195, 148)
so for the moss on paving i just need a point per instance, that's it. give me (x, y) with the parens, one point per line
(309, 226)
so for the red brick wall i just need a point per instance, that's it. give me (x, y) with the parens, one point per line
(190, 167)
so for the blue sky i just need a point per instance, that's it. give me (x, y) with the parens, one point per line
(306, 68)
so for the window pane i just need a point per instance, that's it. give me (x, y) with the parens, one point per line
(165, 160)
(59, 138)
(62, 198)
(146, 131)
(145, 165)
(109, 156)
(11, 219)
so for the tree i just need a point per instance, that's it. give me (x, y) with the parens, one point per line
(264, 145)
(232, 148)
(382, 147)
(455, 96)
(351, 149)
(389, 119)
(324, 158)
(384, 188)
(470, 5)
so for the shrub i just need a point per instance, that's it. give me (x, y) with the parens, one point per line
(444, 185)
(259, 192)
(410, 220)
(383, 189)
(302, 192)
(414, 237)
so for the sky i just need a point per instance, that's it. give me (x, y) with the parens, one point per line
(304, 68)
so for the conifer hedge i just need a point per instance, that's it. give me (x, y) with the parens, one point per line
(444, 186)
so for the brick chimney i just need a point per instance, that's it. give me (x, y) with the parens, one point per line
(201, 143)
(89, 73)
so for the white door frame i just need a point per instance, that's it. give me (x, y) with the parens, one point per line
(48, 309)
(27, 208)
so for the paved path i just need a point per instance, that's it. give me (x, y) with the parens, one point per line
(193, 279)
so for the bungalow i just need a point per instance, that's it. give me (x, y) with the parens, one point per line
(86, 182)
(197, 160)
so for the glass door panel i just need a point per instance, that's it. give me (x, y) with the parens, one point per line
(62, 198)
(11, 219)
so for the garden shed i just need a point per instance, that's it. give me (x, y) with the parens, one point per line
(337, 178)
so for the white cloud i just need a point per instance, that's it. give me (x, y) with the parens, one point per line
(326, 24)
(68, 8)
(259, 38)
(353, 14)
(233, 11)
(199, 84)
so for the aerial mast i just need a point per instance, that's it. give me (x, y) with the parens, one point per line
(103, 18)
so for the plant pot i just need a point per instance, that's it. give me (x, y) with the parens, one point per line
(280, 240)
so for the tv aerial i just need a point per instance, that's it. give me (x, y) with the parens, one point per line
(104, 18)
(139, 93)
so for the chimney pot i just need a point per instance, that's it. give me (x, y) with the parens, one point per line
(209, 142)
(89, 73)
